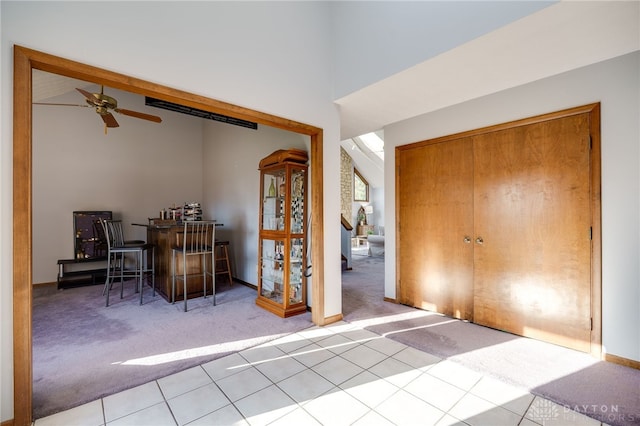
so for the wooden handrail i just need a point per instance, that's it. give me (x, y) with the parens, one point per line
(345, 223)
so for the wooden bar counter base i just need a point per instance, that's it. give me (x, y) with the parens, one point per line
(165, 236)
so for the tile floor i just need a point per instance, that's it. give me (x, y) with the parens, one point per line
(334, 375)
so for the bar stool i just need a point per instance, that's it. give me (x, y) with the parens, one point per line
(198, 239)
(117, 249)
(223, 265)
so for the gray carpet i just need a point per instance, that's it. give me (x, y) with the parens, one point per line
(601, 390)
(83, 350)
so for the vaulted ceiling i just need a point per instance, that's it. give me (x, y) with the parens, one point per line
(559, 38)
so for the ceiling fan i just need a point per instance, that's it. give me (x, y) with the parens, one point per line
(103, 105)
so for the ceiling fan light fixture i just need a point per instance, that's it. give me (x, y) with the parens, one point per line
(104, 105)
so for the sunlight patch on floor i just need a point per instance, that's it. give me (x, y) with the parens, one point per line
(414, 313)
(189, 353)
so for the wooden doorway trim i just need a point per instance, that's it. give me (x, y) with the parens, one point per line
(25, 60)
(593, 110)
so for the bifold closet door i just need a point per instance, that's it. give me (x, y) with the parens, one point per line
(435, 212)
(532, 221)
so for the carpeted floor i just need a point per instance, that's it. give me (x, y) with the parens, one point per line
(601, 390)
(83, 350)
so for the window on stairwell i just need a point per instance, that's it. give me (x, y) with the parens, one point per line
(360, 187)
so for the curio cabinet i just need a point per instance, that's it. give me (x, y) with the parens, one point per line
(283, 233)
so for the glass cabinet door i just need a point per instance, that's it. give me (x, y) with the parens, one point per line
(297, 201)
(272, 270)
(296, 266)
(273, 199)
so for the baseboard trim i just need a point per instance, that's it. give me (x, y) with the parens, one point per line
(332, 319)
(239, 281)
(622, 361)
(7, 423)
(390, 300)
(49, 284)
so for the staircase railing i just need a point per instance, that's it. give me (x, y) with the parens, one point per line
(345, 241)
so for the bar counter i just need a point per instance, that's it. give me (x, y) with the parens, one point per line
(164, 237)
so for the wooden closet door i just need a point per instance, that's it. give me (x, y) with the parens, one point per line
(532, 210)
(435, 213)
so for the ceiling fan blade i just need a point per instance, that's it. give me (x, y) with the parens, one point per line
(87, 95)
(137, 114)
(109, 120)
(73, 105)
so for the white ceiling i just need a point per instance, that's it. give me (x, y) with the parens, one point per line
(46, 85)
(559, 38)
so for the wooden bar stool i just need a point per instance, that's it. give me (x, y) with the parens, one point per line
(223, 265)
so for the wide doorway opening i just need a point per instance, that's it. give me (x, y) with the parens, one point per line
(25, 61)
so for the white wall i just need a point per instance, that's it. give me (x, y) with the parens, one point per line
(616, 85)
(134, 170)
(376, 196)
(268, 56)
(232, 185)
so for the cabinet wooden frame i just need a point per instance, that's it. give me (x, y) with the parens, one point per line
(282, 239)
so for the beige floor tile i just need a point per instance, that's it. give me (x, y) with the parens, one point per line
(395, 372)
(298, 417)
(447, 420)
(416, 359)
(265, 406)
(226, 366)
(456, 374)
(436, 392)
(337, 343)
(129, 401)
(89, 414)
(312, 354)
(499, 393)
(369, 389)
(476, 411)
(279, 369)
(361, 336)
(243, 384)
(402, 408)
(227, 415)
(386, 346)
(527, 422)
(315, 333)
(336, 408)
(183, 381)
(156, 415)
(305, 386)
(290, 343)
(337, 370)
(364, 356)
(372, 419)
(197, 403)
(262, 353)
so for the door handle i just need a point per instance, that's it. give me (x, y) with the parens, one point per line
(479, 240)
(466, 239)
